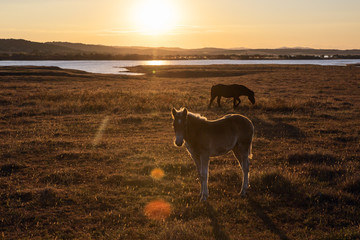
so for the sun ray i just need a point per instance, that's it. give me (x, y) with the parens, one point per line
(100, 131)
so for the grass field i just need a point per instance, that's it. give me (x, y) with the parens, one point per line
(78, 152)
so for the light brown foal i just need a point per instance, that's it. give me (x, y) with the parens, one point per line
(205, 139)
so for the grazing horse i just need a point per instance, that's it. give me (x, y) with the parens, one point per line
(204, 139)
(231, 91)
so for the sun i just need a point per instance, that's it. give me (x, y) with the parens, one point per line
(154, 17)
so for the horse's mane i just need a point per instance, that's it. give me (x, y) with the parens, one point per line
(248, 89)
(197, 116)
(196, 122)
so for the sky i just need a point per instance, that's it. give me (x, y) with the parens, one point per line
(330, 24)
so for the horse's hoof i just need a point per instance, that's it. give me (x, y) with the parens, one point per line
(203, 198)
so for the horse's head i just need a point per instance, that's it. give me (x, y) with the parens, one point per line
(252, 97)
(179, 124)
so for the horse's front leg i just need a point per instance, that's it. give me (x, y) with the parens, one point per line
(235, 102)
(196, 159)
(218, 100)
(204, 176)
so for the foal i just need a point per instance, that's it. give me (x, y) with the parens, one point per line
(204, 139)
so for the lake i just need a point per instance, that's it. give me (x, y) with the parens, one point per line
(119, 66)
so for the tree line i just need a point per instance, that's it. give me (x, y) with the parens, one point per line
(99, 56)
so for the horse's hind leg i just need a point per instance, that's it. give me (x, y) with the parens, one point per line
(211, 100)
(242, 155)
(204, 176)
(236, 100)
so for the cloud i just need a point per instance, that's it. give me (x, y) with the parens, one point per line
(110, 32)
(193, 30)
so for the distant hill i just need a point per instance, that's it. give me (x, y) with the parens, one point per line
(23, 49)
(117, 50)
(24, 46)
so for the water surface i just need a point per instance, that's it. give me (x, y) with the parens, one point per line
(119, 66)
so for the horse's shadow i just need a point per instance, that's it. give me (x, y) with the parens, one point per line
(256, 207)
(219, 231)
(277, 129)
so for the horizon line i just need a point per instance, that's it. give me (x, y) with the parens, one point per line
(223, 48)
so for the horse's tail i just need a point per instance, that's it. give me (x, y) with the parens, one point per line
(246, 148)
(246, 136)
(250, 155)
(213, 91)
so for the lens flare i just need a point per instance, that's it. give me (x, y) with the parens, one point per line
(100, 131)
(157, 210)
(157, 173)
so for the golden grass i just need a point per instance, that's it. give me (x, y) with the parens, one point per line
(82, 155)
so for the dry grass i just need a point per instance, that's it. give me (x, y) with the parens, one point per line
(77, 151)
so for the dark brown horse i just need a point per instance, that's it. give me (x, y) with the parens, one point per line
(204, 139)
(231, 91)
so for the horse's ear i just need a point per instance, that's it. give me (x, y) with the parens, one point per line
(185, 111)
(173, 112)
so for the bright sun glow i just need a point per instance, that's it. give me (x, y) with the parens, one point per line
(154, 17)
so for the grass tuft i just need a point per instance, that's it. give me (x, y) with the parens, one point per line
(184, 231)
(314, 158)
(326, 173)
(8, 169)
(353, 186)
(63, 178)
(273, 182)
(48, 198)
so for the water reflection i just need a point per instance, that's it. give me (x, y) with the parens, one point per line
(156, 62)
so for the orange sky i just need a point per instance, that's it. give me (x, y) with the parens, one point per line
(186, 23)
